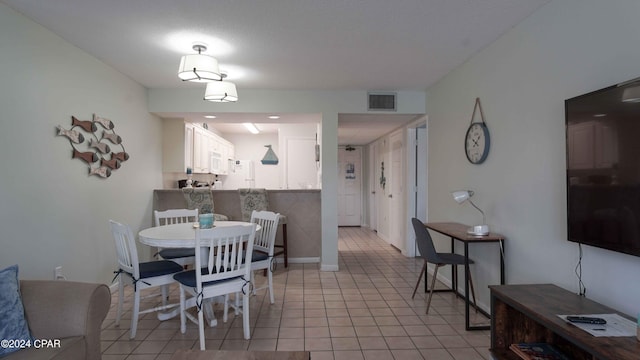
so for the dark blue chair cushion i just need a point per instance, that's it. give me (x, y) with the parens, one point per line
(177, 253)
(255, 256)
(259, 256)
(158, 268)
(188, 278)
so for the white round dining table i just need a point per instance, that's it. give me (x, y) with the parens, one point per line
(178, 235)
(181, 236)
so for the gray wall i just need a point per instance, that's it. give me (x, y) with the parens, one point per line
(567, 48)
(51, 212)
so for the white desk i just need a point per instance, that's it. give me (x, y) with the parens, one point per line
(180, 236)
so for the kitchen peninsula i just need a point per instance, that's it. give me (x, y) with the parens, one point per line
(302, 208)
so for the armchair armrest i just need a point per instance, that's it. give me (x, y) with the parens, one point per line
(59, 309)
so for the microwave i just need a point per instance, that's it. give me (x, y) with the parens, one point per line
(215, 162)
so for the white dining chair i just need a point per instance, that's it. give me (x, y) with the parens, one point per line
(182, 256)
(140, 276)
(263, 247)
(226, 272)
(257, 199)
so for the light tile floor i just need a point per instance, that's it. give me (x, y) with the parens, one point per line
(363, 311)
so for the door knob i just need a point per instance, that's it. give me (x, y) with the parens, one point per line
(390, 195)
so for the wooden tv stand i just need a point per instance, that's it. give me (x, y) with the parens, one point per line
(528, 313)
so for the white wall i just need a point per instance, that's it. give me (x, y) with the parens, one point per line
(252, 147)
(51, 212)
(567, 48)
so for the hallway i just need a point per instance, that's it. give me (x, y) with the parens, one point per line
(364, 311)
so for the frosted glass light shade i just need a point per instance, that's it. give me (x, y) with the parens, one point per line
(199, 68)
(461, 196)
(221, 91)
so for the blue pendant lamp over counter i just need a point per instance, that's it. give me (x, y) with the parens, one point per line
(199, 67)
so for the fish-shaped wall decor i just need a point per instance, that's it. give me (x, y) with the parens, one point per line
(87, 125)
(114, 138)
(122, 156)
(113, 163)
(106, 123)
(104, 148)
(89, 157)
(101, 171)
(96, 150)
(73, 135)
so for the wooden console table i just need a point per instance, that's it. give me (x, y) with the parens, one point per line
(529, 314)
(458, 232)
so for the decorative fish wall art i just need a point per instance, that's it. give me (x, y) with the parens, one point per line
(106, 158)
(74, 136)
(104, 148)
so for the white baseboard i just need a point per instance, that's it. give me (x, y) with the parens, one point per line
(300, 260)
(325, 267)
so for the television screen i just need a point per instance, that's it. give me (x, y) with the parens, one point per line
(603, 168)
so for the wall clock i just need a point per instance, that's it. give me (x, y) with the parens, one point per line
(477, 140)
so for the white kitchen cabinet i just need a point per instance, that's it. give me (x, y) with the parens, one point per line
(227, 151)
(211, 152)
(201, 144)
(188, 145)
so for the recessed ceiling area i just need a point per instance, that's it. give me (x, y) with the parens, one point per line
(353, 129)
(362, 129)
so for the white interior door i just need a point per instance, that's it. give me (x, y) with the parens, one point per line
(349, 186)
(373, 186)
(396, 193)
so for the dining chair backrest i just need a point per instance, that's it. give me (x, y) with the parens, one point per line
(175, 216)
(226, 258)
(425, 242)
(252, 199)
(265, 239)
(200, 199)
(126, 250)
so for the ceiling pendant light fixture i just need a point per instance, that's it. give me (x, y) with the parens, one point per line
(221, 91)
(199, 67)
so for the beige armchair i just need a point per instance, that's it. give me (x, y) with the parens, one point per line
(71, 312)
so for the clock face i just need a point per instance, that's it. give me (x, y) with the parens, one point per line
(476, 143)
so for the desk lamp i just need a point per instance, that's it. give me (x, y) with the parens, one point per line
(465, 195)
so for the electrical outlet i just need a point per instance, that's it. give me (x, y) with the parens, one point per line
(57, 273)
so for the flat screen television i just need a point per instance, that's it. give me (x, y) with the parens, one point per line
(603, 168)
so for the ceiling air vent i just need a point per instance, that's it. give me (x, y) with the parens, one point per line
(382, 101)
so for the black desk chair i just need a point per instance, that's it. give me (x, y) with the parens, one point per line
(429, 254)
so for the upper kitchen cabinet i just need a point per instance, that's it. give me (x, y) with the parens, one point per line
(202, 142)
(188, 145)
